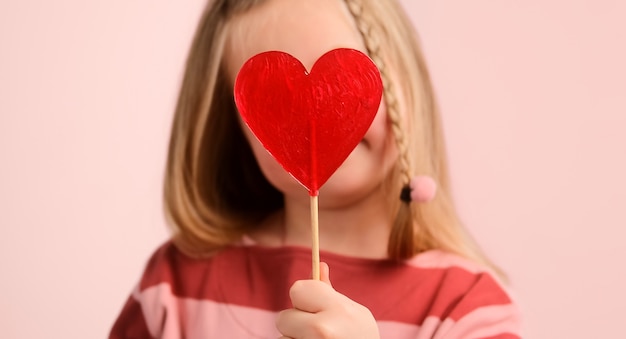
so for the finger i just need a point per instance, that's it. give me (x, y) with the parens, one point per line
(290, 323)
(325, 273)
(311, 295)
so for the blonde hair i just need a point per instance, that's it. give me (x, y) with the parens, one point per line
(216, 193)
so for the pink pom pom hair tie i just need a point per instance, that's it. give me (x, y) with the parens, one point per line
(420, 189)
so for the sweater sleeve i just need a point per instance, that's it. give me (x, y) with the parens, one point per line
(145, 314)
(130, 324)
(485, 311)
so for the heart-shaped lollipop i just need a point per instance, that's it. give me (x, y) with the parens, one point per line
(309, 121)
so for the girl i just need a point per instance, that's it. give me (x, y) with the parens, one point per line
(237, 263)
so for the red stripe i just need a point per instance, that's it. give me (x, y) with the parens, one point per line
(261, 277)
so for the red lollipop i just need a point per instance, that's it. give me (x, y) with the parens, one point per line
(309, 121)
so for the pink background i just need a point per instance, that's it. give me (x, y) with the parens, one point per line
(533, 97)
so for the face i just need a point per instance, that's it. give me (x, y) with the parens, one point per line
(307, 29)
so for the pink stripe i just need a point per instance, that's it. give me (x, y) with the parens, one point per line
(165, 313)
(160, 310)
(429, 327)
(215, 320)
(484, 322)
(393, 329)
(488, 322)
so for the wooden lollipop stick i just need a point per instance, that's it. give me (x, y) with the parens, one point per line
(315, 248)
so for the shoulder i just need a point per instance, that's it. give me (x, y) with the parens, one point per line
(443, 259)
(146, 310)
(448, 267)
(467, 299)
(172, 285)
(161, 266)
(184, 274)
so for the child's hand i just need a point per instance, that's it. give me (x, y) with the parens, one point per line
(321, 312)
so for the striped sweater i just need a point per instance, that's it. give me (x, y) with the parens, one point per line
(239, 292)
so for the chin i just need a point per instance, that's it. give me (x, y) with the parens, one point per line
(347, 187)
(332, 196)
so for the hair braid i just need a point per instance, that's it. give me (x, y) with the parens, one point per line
(401, 239)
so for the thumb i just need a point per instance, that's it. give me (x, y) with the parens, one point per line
(325, 273)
